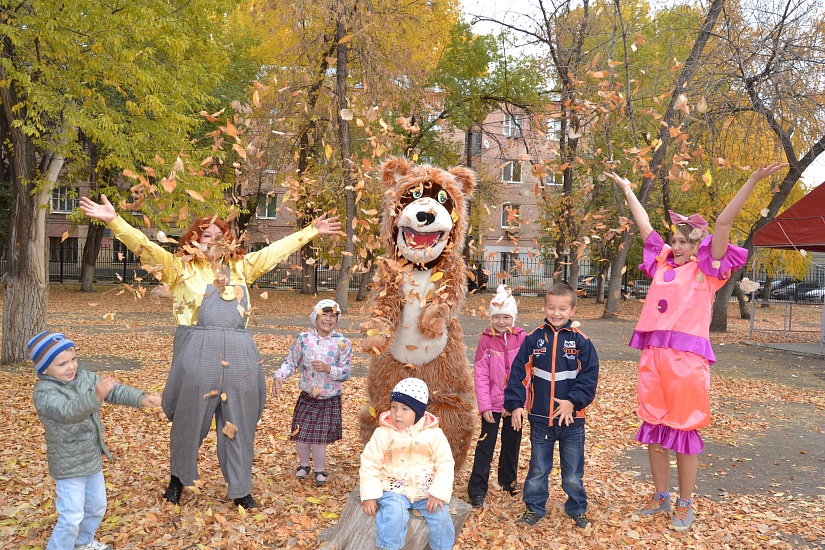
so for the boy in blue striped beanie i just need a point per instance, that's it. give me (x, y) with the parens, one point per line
(68, 399)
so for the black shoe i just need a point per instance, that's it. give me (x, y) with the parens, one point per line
(477, 501)
(582, 521)
(512, 489)
(174, 490)
(247, 502)
(529, 517)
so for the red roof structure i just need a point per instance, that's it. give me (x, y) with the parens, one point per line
(802, 226)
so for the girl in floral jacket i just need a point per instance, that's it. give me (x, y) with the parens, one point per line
(323, 356)
(494, 356)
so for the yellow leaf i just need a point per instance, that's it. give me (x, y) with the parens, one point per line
(372, 412)
(314, 500)
(64, 237)
(345, 39)
(195, 195)
(707, 177)
(372, 332)
(436, 276)
(328, 151)
(330, 515)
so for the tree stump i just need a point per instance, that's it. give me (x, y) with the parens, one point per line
(356, 530)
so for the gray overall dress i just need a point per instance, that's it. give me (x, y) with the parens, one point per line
(215, 357)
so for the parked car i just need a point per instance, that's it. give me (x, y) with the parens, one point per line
(776, 286)
(793, 292)
(589, 285)
(639, 288)
(815, 295)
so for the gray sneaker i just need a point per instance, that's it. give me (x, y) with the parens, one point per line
(529, 517)
(94, 545)
(581, 521)
(656, 505)
(683, 516)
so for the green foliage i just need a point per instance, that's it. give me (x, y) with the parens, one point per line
(131, 79)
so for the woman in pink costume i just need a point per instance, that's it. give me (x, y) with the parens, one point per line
(673, 334)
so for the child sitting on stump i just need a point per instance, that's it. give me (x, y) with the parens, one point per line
(408, 465)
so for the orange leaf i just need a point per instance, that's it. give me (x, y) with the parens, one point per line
(212, 393)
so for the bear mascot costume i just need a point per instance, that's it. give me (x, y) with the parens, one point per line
(419, 288)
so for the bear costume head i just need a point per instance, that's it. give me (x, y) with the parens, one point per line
(425, 210)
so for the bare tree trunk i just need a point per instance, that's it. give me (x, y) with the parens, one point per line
(309, 275)
(25, 282)
(342, 290)
(657, 162)
(94, 234)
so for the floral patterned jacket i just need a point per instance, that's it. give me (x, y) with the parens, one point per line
(416, 462)
(335, 350)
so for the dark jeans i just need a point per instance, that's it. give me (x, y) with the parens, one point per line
(507, 458)
(571, 454)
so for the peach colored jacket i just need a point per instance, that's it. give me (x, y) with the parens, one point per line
(416, 462)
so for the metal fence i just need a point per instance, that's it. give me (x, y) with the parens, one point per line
(525, 274)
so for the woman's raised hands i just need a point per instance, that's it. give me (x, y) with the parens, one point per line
(104, 211)
(325, 225)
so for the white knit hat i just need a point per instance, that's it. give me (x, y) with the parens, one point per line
(503, 302)
(413, 393)
(323, 304)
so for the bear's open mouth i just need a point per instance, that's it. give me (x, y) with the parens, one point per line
(414, 239)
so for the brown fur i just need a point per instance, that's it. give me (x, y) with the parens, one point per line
(448, 375)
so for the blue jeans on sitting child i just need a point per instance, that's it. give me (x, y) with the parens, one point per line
(394, 513)
(571, 456)
(81, 503)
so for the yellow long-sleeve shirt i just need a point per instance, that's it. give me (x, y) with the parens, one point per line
(188, 280)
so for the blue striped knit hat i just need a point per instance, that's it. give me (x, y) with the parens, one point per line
(413, 393)
(44, 347)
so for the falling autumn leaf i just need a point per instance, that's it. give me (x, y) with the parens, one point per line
(229, 430)
(211, 394)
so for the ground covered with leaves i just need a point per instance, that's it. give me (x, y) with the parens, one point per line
(112, 328)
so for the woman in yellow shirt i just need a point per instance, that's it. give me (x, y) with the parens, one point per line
(216, 370)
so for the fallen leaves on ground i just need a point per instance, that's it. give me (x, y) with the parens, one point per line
(292, 513)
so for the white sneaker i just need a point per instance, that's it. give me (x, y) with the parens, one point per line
(94, 545)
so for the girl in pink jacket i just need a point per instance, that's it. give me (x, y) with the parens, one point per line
(494, 356)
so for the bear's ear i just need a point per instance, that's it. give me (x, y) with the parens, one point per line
(466, 178)
(393, 170)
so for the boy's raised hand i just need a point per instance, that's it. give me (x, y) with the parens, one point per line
(104, 387)
(151, 400)
(369, 507)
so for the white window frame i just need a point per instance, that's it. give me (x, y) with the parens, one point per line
(268, 206)
(553, 129)
(512, 127)
(510, 171)
(505, 214)
(62, 201)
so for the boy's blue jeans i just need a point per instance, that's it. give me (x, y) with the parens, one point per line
(571, 455)
(394, 513)
(81, 503)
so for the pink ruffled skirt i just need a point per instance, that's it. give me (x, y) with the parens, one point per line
(673, 399)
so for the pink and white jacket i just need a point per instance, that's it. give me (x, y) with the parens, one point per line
(416, 462)
(494, 357)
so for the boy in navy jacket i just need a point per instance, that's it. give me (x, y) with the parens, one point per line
(555, 373)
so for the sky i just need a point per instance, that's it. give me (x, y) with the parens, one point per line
(508, 10)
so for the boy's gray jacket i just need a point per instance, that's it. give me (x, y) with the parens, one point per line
(70, 413)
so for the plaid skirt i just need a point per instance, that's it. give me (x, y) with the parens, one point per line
(316, 421)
